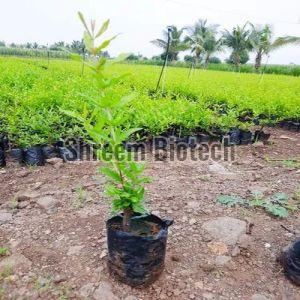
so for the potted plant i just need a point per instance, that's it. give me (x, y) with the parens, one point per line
(136, 239)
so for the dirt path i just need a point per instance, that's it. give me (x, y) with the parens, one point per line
(56, 232)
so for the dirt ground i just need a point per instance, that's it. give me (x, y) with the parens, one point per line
(57, 245)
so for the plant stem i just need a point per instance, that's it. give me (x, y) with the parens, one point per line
(127, 214)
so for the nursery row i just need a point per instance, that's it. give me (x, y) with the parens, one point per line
(33, 95)
(6, 51)
(77, 149)
(292, 70)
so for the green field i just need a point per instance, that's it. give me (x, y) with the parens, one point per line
(31, 95)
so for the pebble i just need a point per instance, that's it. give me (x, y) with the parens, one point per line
(5, 217)
(192, 221)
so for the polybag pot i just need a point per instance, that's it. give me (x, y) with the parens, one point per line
(49, 152)
(203, 138)
(286, 125)
(294, 127)
(234, 137)
(290, 261)
(245, 137)
(17, 155)
(68, 153)
(2, 159)
(33, 156)
(137, 257)
(261, 136)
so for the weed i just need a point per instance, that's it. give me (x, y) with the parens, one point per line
(3, 251)
(81, 197)
(290, 163)
(6, 272)
(277, 205)
(13, 204)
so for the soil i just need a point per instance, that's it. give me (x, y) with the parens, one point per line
(56, 238)
(139, 228)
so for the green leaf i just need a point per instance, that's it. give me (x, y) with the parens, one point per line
(88, 42)
(276, 210)
(104, 44)
(110, 173)
(280, 197)
(103, 28)
(230, 200)
(73, 114)
(81, 17)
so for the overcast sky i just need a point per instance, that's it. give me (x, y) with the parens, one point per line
(140, 21)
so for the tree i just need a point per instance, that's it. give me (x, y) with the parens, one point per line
(262, 44)
(215, 60)
(239, 41)
(244, 58)
(2, 44)
(176, 44)
(57, 46)
(202, 40)
(77, 47)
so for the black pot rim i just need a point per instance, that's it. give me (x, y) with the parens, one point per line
(155, 219)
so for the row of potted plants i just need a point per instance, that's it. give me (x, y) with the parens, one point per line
(73, 149)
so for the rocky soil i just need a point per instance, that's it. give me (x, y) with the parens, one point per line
(52, 223)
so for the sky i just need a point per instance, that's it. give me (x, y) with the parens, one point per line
(140, 21)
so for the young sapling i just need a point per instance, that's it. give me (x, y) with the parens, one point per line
(103, 118)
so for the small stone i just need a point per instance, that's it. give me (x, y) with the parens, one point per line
(176, 292)
(58, 279)
(23, 204)
(75, 250)
(285, 137)
(192, 221)
(16, 261)
(208, 296)
(55, 160)
(87, 291)
(48, 203)
(193, 204)
(23, 173)
(131, 297)
(26, 195)
(259, 297)
(225, 229)
(207, 266)
(192, 296)
(103, 254)
(5, 217)
(236, 251)
(222, 260)
(199, 285)
(257, 188)
(104, 292)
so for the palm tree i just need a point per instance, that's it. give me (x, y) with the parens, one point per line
(176, 44)
(239, 41)
(261, 41)
(211, 46)
(202, 40)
